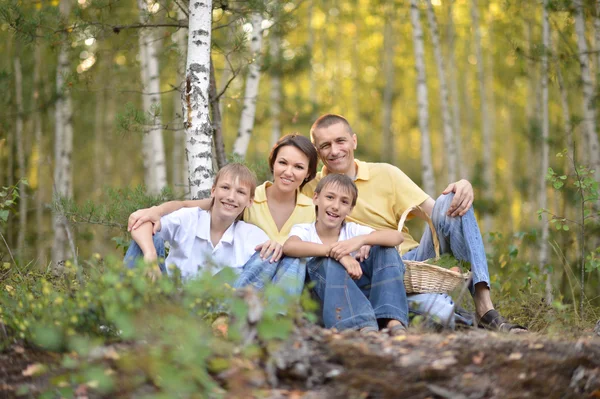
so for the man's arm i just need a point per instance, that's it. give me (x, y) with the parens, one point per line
(153, 214)
(143, 237)
(296, 248)
(384, 238)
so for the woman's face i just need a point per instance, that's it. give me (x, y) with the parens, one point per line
(289, 169)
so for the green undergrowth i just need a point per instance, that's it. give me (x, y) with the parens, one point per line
(120, 330)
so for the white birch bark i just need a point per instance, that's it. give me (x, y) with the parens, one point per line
(240, 147)
(422, 100)
(63, 146)
(543, 255)
(448, 129)
(455, 96)
(198, 130)
(180, 168)
(387, 142)
(589, 110)
(487, 155)
(152, 143)
(275, 53)
(20, 158)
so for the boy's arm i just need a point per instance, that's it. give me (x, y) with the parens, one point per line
(384, 238)
(296, 248)
(143, 237)
(153, 214)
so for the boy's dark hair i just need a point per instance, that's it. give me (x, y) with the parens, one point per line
(324, 121)
(340, 181)
(305, 146)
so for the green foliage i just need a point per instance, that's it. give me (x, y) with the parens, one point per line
(8, 197)
(122, 329)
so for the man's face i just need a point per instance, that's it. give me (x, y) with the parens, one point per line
(336, 146)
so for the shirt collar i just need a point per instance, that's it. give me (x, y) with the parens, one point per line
(203, 231)
(362, 170)
(260, 195)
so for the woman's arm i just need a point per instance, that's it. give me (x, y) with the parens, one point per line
(153, 214)
(296, 248)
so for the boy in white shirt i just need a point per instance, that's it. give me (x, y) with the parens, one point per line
(361, 296)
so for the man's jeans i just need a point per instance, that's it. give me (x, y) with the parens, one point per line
(459, 236)
(288, 273)
(354, 304)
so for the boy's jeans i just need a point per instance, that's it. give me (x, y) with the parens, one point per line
(289, 273)
(354, 304)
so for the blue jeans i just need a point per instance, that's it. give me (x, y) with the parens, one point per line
(459, 236)
(289, 273)
(354, 304)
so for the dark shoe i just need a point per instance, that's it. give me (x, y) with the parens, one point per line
(492, 320)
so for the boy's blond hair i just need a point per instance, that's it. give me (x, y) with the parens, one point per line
(238, 171)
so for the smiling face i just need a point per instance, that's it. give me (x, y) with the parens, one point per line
(230, 197)
(335, 145)
(289, 169)
(333, 204)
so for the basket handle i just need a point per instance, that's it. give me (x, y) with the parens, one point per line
(436, 243)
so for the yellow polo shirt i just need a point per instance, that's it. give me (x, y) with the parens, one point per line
(384, 193)
(260, 215)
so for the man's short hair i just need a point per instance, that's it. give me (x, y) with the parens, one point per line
(324, 121)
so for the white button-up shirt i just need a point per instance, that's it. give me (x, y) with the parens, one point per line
(308, 232)
(188, 232)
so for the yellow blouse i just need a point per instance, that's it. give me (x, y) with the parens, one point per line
(259, 215)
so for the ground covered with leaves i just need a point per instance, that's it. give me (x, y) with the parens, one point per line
(318, 363)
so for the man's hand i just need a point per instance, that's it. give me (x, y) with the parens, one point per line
(141, 216)
(363, 253)
(352, 267)
(463, 197)
(270, 247)
(345, 247)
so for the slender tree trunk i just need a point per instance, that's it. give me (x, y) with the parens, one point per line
(311, 50)
(597, 39)
(589, 107)
(198, 129)
(99, 132)
(356, 63)
(455, 95)
(422, 100)
(275, 53)
(487, 140)
(153, 144)
(37, 127)
(20, 159)
(543, 256)
(179, 168)
(387, 139)
(63, 147)
(240, 147)
(216, 119)
(448, 129)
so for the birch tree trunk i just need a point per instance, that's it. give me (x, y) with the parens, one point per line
(543, 256)
(422, 100)
(455, 96)
(275, 53)
(487, 156)
(179, 170)
(63, 147)
(198, 130)
(387, 140)
(217, 121)
(37, 127)
(152, 143)
(589, 108)
(448, 129)
(20, 159)
(240, 147)
(311, 50)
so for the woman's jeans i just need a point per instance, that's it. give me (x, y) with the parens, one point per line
(288, 273)
(354, 304)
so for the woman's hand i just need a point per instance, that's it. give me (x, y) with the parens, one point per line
(352, 267)
(345, 247)
(141, 216)
(270, 248)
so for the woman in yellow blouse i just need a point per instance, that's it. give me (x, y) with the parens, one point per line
(277, 206)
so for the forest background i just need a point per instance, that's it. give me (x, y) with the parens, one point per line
(489, 91)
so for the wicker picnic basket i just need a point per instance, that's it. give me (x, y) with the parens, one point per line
(422, 277)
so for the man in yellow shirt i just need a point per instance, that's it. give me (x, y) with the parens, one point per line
(385, 192)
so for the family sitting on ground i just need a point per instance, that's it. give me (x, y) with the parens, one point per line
(338, 226)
